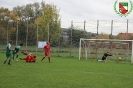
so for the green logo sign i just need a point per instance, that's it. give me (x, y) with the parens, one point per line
(122, 8)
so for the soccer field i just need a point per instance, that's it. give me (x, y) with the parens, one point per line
(65, 72)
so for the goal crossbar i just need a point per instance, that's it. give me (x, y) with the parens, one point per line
(109, 40)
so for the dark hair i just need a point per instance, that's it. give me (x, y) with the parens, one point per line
(21, 44)
(10, 41)
(34, 56)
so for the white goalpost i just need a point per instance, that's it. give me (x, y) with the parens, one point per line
(105, 41)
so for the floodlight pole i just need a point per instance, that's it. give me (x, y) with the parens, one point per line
(97, 38)
(111, 29)
(17, 34)
(37, 38)
(27, 33)
(71, 37)
(111, 36)
(97, 27)
(127, 30)
(48, 31)
(7, 30)
(59, 40)
(84, 28)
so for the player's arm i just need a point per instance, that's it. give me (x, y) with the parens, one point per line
(9, 48)
(109, 54)
(14, 50)
(44, 47)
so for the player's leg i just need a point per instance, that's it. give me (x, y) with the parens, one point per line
(9, 62)
(13, 57)
(45, 54)
(49, 58)
(105, 60)
(24, 53)
(43, 58)
(23, 58)
(7, 56)
(99, 60)
(17, 56)
(26, 59)
(5, 61)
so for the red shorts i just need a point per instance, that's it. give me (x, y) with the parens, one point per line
(46, 53)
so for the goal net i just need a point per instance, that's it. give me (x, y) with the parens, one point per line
(95, 48)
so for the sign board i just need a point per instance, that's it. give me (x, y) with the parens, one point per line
(41, 44)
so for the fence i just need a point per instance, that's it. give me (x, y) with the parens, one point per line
(68, 42)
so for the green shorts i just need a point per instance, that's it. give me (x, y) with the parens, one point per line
(8, 55)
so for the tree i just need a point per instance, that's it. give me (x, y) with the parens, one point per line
(74, 36)
(4, 21)
(103, 36)
(49, 23)
(26, 18)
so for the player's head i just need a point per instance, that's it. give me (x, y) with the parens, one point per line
(10, 42)
(47, 42)
(107, 52)
(21, 44)
(34, 56)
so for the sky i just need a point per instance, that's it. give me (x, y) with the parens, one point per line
(78, 10)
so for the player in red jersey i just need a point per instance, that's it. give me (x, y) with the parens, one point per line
(29, 57)
(46, 52)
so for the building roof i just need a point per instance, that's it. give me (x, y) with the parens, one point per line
(124, 35)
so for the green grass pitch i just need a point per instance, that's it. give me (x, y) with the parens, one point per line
(65, 72)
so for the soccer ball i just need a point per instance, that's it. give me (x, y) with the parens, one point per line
(119, 58)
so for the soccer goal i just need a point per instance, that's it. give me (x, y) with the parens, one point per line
(95, 48)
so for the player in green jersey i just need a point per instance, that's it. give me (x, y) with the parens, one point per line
(8, 53)
(16, 50)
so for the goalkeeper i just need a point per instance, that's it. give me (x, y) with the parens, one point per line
(15, 51)
(104, 58)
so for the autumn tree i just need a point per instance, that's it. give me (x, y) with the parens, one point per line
(49, 23)
(26, 18)
(103, 36)
(4, 21)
